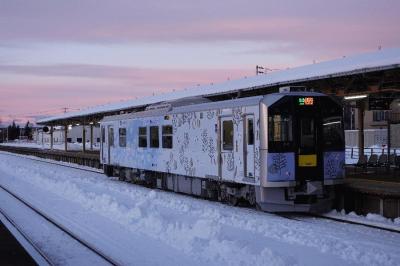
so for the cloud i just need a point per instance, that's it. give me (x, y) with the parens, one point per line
(38, 89)
(136, 75)
(309, 24)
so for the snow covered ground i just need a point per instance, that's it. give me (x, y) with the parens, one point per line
(56, 146)
(140, 226)
(370, 219)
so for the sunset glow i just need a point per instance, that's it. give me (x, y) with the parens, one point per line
(73, 54)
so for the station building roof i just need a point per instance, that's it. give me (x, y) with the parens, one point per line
(363, 63)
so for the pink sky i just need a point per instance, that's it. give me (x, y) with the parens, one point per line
(56, 54)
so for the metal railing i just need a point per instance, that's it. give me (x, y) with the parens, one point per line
(352, 153)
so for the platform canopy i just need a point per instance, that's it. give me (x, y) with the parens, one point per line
(346, 67)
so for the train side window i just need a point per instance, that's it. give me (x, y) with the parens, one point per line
(154, 137)
(111, 136)
(250, 132)
(227, 135)
(122, 137)
(103, 134)
(167, 137)
(143, 137)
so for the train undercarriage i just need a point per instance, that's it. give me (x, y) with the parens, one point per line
(277, 199)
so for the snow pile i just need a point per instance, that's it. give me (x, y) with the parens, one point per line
(199, 231)
(370, 218)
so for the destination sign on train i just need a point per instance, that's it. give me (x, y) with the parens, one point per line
(306, 101)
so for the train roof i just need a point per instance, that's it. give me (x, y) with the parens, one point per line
(165, 109)
(177, 108)
(363, 63)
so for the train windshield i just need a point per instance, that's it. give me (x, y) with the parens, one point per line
(305, 125)
(307, 133)
(332, 126)
(280, 126)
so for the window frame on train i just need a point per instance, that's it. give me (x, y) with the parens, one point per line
(154, 136)
(227, 135)
(167, 137)
(111, 137)
(122, 136)
(250, 131)
(142, 137)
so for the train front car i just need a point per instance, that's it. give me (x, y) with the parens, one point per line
(302, 152)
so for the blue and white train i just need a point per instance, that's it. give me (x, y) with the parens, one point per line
(281, 152)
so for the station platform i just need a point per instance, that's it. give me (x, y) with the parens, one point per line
(371, 190)
(11, 251)
(87, 158)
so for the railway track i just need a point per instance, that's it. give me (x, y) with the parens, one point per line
(290, 216)
(65, 230)
(39, 256)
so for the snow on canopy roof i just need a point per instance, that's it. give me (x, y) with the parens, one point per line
(380, 60)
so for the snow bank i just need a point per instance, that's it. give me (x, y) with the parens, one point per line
(369, 219)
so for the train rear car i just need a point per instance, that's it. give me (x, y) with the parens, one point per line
(282, 151)
(302, 151)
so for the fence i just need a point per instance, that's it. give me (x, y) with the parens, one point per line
(352, 153)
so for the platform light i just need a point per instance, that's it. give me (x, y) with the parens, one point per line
(91, 123)
(355, 97)
(77, 124)
(331, 123)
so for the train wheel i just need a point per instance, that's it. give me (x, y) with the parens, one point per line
(232, 200)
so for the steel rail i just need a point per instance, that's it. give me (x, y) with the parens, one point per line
(63, 228)
(25, 236)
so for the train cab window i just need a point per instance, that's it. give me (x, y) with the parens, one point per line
(111, 136)
(142, 137)
(280, 128)
(227, 135)
(154, 137)
(167, 137)
(250, 132)
(332, 132)
(122, 137)
(307, 133)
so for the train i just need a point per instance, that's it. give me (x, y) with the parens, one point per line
(279, 152)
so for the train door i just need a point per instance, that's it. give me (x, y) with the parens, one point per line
(309, 155)
(248, 146)
(227, 162)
